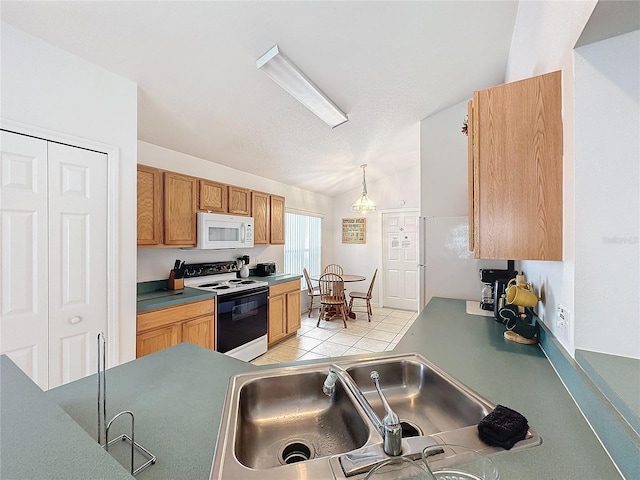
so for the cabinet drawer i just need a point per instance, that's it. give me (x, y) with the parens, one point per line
(281, 288)
(166, 316)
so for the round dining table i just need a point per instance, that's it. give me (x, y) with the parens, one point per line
(346, 277)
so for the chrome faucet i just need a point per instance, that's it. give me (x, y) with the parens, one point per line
(389, 427)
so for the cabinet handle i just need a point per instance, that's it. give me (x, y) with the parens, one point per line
(75, 320)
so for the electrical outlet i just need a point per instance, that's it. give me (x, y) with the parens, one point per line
(563, 321)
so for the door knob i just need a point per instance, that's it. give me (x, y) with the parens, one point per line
(75, 320)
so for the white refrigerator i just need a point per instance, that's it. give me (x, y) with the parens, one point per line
(447, 267)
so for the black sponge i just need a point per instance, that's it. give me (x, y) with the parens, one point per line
(503, 427)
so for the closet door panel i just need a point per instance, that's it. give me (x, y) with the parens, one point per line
(77, 261)
(24, 256)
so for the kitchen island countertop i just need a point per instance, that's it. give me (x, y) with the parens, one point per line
(178, 396)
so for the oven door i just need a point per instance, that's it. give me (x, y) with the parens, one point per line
(241, 318)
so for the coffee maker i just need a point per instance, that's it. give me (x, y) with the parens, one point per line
(490, 277)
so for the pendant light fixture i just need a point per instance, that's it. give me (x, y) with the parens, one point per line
(363, 204)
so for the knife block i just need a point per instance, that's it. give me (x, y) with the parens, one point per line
(175, 283)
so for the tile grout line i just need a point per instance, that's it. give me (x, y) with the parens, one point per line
(290, 350)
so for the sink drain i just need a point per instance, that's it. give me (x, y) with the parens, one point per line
(296, 451)
(410, 429)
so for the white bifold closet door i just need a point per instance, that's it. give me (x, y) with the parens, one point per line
(53, 203)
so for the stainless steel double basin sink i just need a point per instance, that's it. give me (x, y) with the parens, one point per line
(278, 423)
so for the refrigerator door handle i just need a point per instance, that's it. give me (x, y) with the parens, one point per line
(422, 225)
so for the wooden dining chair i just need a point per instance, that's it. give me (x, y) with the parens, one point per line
(333, 268)
(312, 291)
(332, 297)
(363, 296)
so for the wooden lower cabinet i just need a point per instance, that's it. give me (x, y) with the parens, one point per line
(155, 340)
(199, 331)
(277, 318)
(166, 327)
(284, 310)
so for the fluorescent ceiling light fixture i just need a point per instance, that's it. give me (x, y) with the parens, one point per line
(364, 204)
(285, 73)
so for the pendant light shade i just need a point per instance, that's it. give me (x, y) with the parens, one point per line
(364, 204)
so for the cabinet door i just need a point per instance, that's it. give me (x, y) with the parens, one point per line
(199, 331)
(260, 209)
(518, 170)
(149, 206)
(239, 201)
(293, 311)
(277, 220)
(156, 340)
(213, 197)
(179, 209)
(277, 318)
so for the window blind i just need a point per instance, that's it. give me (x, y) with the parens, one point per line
(303, 244)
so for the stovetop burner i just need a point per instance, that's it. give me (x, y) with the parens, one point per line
(218, 277)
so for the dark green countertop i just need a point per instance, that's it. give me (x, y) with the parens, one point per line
(38, 440)
(155, 295)
(178, 395)
(472, 349)
(278, 278)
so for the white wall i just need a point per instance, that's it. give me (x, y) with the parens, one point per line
(155, 263)
(607, 276)
(387, 193)
(452, 271)
(543, 40)
(48, 89)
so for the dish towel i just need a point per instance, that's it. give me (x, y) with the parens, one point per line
(503, 427)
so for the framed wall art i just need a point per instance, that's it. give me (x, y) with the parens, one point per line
(354, 230)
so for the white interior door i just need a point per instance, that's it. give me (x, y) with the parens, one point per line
(24, 330)
(400, 260)
(54, 254)
(77, 260)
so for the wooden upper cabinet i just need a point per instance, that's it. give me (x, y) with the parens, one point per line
(239, 201)
(149, 206)
(277, 220)
(213, 196)
(179, 209)
(260, 214)
(516, 163)
(168, 203)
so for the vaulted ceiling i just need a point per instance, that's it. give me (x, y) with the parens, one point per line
(387, 64)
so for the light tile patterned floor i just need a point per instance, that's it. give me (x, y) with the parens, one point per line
(331, 339)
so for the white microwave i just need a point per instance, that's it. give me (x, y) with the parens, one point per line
(216, 231)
